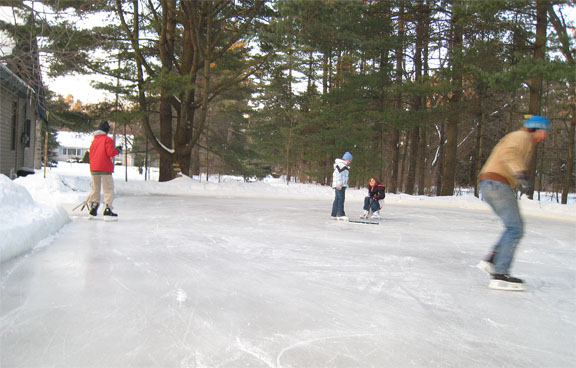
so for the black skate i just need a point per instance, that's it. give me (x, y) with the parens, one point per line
(506, 282)
(94, 209)
(109, 215)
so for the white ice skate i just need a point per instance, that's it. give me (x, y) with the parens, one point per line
(486, 267)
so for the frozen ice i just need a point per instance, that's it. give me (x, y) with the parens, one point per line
(234, 274)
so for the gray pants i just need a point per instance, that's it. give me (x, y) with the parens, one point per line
(105, 181)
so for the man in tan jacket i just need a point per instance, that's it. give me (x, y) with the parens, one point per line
(504, 171)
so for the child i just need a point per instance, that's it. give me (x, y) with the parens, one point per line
(340, 183)
(376, 192)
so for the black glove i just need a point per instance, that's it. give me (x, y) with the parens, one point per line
(523, 183)
(119, 149)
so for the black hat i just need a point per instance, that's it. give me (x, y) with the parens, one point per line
(104, 126)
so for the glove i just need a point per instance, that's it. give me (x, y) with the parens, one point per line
(523, 183)
(119, 149)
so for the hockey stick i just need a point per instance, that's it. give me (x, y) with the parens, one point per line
(83, 204)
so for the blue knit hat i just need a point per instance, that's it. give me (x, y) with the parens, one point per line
(537, 122)
(347, 156)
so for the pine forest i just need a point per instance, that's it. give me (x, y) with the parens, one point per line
(419, 91)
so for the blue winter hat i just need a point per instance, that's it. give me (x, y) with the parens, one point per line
(347, 156)
(537, 122)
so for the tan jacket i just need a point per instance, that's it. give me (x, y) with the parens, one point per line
(510, 156)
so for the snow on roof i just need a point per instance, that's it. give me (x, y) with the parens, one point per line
(74, 139)
(83, 140)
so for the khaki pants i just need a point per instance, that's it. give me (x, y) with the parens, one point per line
(105, 181)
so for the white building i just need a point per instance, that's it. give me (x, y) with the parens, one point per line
(73, 146)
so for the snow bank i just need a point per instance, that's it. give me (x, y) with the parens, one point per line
(280, 190)
(23, 221)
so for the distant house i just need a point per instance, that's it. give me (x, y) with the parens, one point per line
(20, 126)
(73, 146)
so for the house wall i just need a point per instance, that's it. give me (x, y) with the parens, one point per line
(71, 153)
(15, 153)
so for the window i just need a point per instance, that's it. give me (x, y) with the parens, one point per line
(27, 133)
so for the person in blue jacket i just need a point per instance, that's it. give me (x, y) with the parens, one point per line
(340, 183)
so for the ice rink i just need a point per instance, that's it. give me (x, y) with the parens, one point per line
(186, 281)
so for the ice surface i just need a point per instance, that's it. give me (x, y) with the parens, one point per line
(263, 278)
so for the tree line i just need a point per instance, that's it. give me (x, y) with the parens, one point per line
(419, 91)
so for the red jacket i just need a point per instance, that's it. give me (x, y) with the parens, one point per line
(101, 152)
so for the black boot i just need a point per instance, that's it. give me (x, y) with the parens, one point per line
(94, 209)
(506, 282)
(109, 215)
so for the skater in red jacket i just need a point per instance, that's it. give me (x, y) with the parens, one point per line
(102, 152)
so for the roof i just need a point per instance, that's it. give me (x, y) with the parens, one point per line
(84, 140)
(74, 139)
(12, 80)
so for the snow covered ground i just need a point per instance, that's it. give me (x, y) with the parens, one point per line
(206, 274)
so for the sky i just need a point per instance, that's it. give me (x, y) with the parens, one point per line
(80, 86)
(203, 273)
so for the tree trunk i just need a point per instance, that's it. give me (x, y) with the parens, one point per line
(479, 142)
(396, 183)
(450, 159)
(395, 160)
(414, 145)
(440, 158)
(570, 158)
(422, 162)
(417, 101)
(425, 31)
(534, 107)
(566, 50)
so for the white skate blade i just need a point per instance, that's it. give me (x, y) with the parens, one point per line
(485, 267)
(504, 285)
(110, 218)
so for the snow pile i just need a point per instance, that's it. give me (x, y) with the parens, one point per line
(23, 221)
(55, 189)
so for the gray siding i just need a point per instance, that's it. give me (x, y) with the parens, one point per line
(11, 159)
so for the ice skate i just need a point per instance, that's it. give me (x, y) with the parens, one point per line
(94, 209)
(506, 282)
(109, 215)
(364, 215)
(485, 266)
(342, 218)
(375, 215)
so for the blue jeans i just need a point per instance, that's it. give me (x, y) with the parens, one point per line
(503, 201)
(370, 203)
(338, 205)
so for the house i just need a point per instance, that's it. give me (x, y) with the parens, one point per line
(21, 117)
(73, 146)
